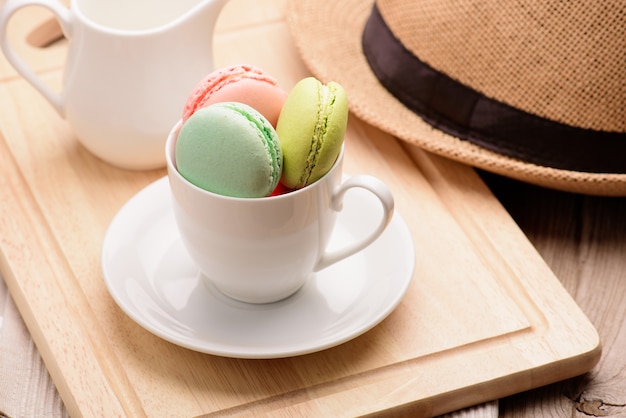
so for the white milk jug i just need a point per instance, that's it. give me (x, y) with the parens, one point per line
(130, 66)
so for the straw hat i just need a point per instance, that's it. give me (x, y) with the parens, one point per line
(533, 90)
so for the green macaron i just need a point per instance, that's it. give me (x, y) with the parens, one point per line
(230, 149)
(311, 128)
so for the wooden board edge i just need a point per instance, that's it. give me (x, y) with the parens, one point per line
(41, 304)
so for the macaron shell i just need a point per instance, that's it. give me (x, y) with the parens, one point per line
(311, 129)
(229, 149)
(241, 83)
(266, 98)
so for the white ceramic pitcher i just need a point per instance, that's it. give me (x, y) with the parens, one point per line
(130, 66)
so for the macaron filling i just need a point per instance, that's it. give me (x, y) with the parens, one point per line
(326, 100)
(269, 141)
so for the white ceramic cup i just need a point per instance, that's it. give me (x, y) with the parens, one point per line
(263, 250)
(129, 69)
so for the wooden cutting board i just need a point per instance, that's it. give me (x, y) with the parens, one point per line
(484, 316)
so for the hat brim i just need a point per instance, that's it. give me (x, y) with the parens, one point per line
(328, 37)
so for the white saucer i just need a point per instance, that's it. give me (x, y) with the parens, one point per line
(151, 277)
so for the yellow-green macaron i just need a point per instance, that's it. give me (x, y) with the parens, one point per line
(311, 128)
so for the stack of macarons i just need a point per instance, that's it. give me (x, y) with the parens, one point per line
(244, 136)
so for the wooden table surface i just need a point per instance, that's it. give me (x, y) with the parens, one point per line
(583, 240)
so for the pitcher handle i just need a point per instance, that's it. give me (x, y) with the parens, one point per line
(378, 189)
(64, 17)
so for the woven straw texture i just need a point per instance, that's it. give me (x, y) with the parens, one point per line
(328, 36)
(564, 61)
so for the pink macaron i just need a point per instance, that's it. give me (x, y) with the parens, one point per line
(238, 83)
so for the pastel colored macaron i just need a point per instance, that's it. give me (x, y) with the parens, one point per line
(230, 149)
(311, 128)
(239, 83)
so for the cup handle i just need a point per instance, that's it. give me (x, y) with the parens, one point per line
(63, 15)
(382, 192)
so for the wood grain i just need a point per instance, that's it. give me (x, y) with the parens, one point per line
(485, 317)
(583, 239)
